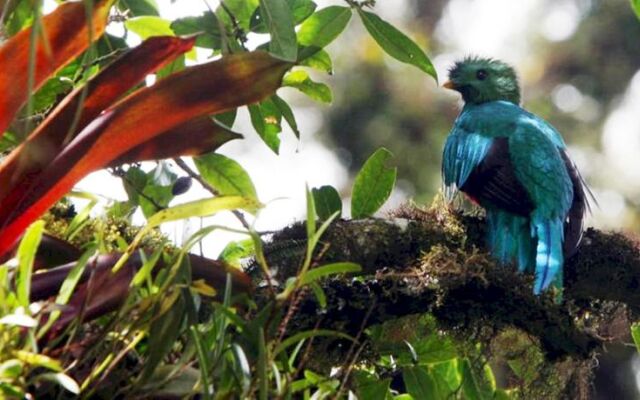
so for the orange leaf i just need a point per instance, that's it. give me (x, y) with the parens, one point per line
(195, 137)
(64, 34)
(210, 88)
(24, 164)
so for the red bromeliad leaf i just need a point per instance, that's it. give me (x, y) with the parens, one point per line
(214, 273)
(64, 34)
(192, 138)
(24, 164)
(210, 88)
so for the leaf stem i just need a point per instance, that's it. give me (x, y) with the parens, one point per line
(186, 168)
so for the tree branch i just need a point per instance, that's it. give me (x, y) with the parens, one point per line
(432, 261)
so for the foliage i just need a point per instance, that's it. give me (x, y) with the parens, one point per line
(373, 185)
(635, 4)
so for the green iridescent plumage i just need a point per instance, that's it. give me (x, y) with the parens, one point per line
(515, 165)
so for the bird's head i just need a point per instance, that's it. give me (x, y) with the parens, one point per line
(480, 80)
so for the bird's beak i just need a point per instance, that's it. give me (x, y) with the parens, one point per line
(449, 85)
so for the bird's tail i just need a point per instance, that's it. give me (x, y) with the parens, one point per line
(510, 239)
(549, 257)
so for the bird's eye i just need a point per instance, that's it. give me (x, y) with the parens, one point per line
(482, 74)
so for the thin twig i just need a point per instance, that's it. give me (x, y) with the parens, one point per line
(183, 165)
(357, 353)
(303, 359)
(265, 269)
(140, 192)
(237, 29)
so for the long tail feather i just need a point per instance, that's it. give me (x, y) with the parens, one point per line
(574, 224)
(549, 256)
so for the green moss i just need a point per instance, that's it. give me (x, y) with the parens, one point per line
(111, 233)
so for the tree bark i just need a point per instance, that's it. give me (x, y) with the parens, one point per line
(434, 261)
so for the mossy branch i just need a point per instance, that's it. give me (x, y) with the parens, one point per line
(433, 261)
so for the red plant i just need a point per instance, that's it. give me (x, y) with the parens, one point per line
(94, 127)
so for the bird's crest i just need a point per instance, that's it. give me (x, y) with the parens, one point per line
(482, 79)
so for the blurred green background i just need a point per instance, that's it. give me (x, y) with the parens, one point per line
(579, 66)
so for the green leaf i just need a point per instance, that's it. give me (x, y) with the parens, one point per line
(26, 255)
(21, 17)
(635, 333)
(311, 215)
(177, 382)
(51, 91)
(501, 394)
(287, 113)
(235, 251)
(279, 20)
(203, 360)
(265, 118)
(134, 182)
(241, 11)
(163, 332)
(228, 118)
(447, 376)
(635, 5)
(10, 369)
(322, 28)
(145, 270)
(153, 190)
(22, 320)
(319, 293)
(8, 142)
(475, 384)
(321, 61)
(419, 383)
(370, 386)
(432, 349)
(140, 7)
(226, 175)
(242, 364)
(373, 185)
(300, 80)
(66, 289)
(61, 379)
(148, 26)
(327, 200)
(79, 221)
(198, 208)
(178, 64)
(412, 351)
(300, 10)
(329, 269)
(263, 382)
(315, 238)
(396, 43)
(38, 360)
(206, 26)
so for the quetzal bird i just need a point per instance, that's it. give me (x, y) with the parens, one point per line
(515, 165)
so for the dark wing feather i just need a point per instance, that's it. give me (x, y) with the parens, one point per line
(574, 224)
(493, 182)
